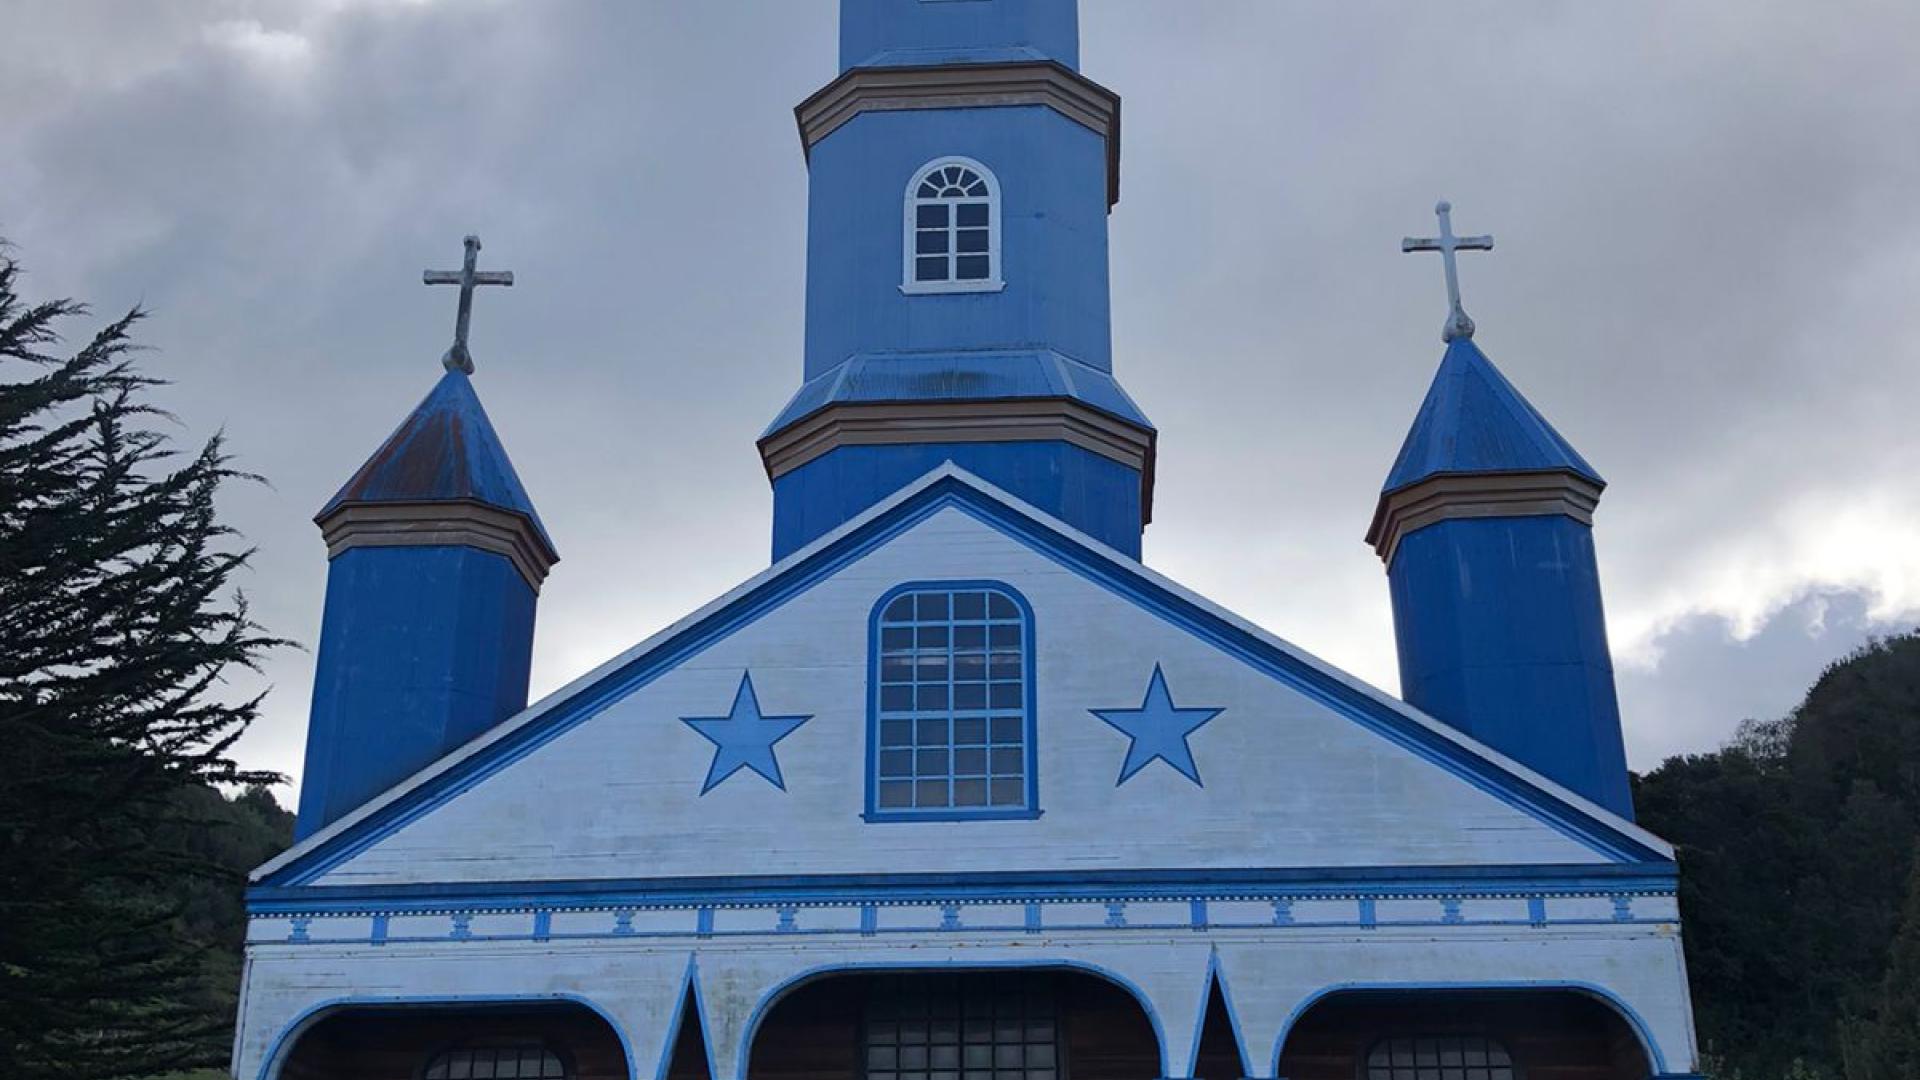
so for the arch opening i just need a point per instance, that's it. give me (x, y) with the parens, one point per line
(1463, 1034)
(1042, 1023)
(508, 1040)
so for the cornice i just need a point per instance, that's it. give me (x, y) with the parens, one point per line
(1052, 419)
(450, 523)
(966, 86)
(1479, 495)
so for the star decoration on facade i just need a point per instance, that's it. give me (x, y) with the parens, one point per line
(743, 739)
(1158, 730)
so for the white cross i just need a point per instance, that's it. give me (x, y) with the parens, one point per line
(457, 358)
(1458, 325)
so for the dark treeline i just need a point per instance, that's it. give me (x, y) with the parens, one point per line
(1799, 885)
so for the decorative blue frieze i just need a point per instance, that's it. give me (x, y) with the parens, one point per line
(1545, 895)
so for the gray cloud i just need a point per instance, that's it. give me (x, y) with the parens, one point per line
(1708, 246)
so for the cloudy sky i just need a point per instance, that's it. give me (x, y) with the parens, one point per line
(1709, 259)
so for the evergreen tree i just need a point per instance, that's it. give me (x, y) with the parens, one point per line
(118, 620)
(1893, 1042)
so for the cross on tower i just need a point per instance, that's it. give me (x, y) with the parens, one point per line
(457, 358)
(1458, 325)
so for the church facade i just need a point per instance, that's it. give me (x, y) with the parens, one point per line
(958, 789)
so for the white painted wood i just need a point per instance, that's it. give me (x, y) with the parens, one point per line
(1289, 782)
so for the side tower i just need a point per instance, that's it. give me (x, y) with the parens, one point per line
(961, 172)
(1485, 526)
(435, 562)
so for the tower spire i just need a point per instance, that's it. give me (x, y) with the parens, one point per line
(1458, 325)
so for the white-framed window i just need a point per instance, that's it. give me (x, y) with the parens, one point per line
(951, 237)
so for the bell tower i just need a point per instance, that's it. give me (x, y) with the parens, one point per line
(961, 170)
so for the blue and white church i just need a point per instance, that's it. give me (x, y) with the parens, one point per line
(958, 789)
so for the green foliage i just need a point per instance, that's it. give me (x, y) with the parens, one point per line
(118, 622)
(1797, 853)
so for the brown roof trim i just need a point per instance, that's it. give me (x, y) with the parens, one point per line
(1478, 495)
(446, 523)
(966, 86)
(1050, 419)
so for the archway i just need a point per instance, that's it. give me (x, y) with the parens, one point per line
(956, 1024)
(1463, 1034)
(456, 1041)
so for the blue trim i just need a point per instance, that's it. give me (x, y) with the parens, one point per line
(1602, 994)
(1217, 977)
(777, 993)
(292, 1030)
(689, 986)
(1532, 882)
(1295, 672)
(1029, 706)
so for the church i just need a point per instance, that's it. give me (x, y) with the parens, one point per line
(957, 788)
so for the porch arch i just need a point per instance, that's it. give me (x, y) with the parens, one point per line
(567, 1019)
(1487, 1003)
(786, 990)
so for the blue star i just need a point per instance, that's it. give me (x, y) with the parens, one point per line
(743, 739)
(1158, 730)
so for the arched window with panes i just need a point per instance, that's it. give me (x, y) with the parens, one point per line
(951, 713)
(952, 228)
(1439, 1057)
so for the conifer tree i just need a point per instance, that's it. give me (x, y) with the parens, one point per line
(1894, 1046)
(118, 619)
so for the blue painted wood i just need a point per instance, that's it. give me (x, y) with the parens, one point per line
(1047, 333)
(445, 450)
(945, 492)
(887, 33)
(1095, 494)
(1501, 634)
(421, 649)
(1474, 421)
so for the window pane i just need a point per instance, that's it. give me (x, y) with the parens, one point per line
(970, 695)
(931, 697)
(1006, 729)
(930, 732)
(896, 733)
(896, 698)
(970, 214)
(972, 762)
(969, 637)
(931, 606)
(930, 215)
(896, 763)
(969, 240)
(930, 793)
(1009, 762)
(900, 610)
(932, 637)
(896, 794)
(932, 243)
(971, 268)
(969, 793)
(1007, 792)
(1000, 606)
(930, 269)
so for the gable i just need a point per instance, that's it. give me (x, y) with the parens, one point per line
(1297, 769)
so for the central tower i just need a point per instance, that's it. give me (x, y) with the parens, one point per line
(961, 173)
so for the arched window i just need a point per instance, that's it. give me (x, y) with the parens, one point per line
(951, 712)
(1439, 1057)
(952, 229)
(506, 1061)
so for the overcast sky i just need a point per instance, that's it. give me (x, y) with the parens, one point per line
(1708, 217)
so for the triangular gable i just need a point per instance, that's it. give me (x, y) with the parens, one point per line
(1610, 837)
